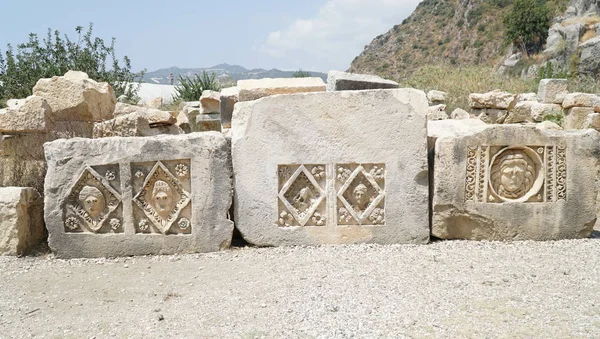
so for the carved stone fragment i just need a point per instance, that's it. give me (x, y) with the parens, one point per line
(152, 195)
(341, 167)
(515, 183)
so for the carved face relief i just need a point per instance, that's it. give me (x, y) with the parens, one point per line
(92, 200)
(513, 174)
(360, 197)
(162, 198)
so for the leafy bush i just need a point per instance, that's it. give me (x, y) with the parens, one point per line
(191, 88)
(526, 25)
(20, 69)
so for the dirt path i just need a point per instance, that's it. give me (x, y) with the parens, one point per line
(446, 289)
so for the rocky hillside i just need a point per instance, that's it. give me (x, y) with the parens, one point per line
(452, 32)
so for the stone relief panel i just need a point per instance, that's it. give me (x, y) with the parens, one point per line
(353, 194)
(94, 202)
(498, 174)
(302, 198)
(162, 197)
(360, 194)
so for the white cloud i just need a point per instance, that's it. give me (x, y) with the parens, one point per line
(336, 34)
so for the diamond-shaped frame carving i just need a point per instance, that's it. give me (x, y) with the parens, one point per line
(161, 172)
(360, 218)
(302, 219)
(89, 177)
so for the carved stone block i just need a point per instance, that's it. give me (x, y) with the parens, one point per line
(137, 196)
(515, 183)
(335, 167)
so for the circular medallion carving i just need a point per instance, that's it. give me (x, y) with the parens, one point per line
(516, 174)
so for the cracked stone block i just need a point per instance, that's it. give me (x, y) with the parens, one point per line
(255, 89)
(513, 182)
(329, 171)
(137, 196)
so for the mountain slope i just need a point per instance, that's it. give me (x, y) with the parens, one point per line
(224, 72)
(441, 32)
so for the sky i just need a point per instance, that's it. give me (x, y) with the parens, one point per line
(317, 35)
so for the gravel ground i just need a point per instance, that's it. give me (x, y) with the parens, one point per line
(452, 289)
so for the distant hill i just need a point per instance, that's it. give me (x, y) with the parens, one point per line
(225, 73)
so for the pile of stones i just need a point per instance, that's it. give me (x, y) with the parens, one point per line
(287, 162)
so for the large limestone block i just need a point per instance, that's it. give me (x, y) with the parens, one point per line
(210, 102)
(495, 99)
(459, 114)
(256, 89)
(437, 112)
(76, 97)
(576, 117)
(31, 115)
(136, 196)
(553, 91)
(511, 182)
(342, 81)
(133, 125)
(332, 168)
(527, 111)
(22, 161)
(491, 115)
(229, 97)
(581, 100)
(21, 220)
(153, 116)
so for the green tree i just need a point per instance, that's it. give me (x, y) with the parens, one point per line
(301, 74)
(526, 25)
(20, 69)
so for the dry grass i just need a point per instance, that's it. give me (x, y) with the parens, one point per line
(459, 82)
(589, 34)
(588, 21)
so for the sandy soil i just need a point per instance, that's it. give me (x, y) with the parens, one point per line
(446, 289)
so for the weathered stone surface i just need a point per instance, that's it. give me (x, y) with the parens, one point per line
(581, 100)
(527, 111)
(490, 115)
(342, 81)
(459, 114)
(210, 102)
(138, 196)
(229, 97)
(553, 91)
(330, 170)
(31, 115)
(547, 125)
(589, 61)
(515, 183)
(436, 97)
(22, 162)
(256, 89)
(152, 115)
(76, 97)
(494, 99)
(155, 103)
(14, 103)
(21, 220)
(520, 113)
(437, 112)
(576, 117)
(133, 125)
(208, 122)
(527, 97)
(183, 122)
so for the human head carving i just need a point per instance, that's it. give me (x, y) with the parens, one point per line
(360, 196)
(162, 198)
(513, 174)
(92, 200)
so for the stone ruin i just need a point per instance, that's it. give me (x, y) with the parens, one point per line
(293, 162)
